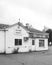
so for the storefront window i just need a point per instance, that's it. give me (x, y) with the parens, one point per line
(41, 43)
(18, 41)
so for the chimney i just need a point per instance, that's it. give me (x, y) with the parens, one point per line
(28, 26)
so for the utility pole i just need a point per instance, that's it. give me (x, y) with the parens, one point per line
(4, 41)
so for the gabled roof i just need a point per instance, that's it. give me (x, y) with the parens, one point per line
(3, 26)
(31, 30)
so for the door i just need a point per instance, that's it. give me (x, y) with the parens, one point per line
(33, 42)
(33, 45)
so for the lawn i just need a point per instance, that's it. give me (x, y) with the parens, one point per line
(33, 58)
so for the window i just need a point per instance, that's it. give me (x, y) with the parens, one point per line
(18, 41)
(33, 42)
(41, 43)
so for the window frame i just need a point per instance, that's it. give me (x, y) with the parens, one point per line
(41, 43)
(18, 42)
(33, 42)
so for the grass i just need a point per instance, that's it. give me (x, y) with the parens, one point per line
(32, 58)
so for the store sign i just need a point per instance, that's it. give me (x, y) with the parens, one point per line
(18, 30)
(38, 36)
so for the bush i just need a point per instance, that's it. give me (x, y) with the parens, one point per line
(15, 50)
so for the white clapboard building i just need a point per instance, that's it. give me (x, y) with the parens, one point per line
(20, 38)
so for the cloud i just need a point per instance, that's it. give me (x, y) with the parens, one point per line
(36, 12)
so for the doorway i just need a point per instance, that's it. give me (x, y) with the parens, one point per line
(33, 42)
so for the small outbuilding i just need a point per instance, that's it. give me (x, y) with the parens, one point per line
(20, 38)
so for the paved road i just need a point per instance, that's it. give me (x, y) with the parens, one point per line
(34, 58)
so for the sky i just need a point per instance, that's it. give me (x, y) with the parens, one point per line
(37, 13)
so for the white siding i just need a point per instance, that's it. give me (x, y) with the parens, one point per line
(2, 42)
(26, 46)
(10, 40)
(41, 48)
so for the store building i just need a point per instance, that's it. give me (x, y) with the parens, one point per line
(20, 38)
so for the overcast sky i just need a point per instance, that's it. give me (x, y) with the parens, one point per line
(37, 13)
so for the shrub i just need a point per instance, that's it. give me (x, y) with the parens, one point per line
(15, 50)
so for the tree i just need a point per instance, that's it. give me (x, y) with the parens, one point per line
(50, 36)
